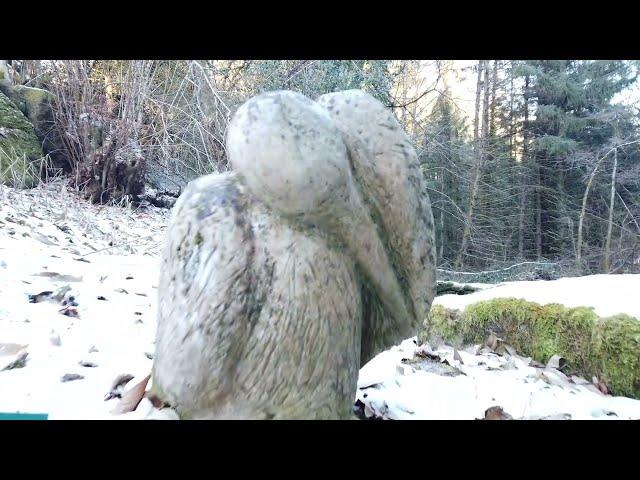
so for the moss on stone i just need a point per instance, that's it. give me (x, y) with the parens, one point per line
(608, 348)
(616, 354)
(443, 322)
(19, 147)
(32, 95)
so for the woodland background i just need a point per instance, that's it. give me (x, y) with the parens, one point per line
(532, 166)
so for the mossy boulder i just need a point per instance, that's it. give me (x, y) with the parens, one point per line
(35, 103)
(19, 147)
(616, 353)
(608, 348)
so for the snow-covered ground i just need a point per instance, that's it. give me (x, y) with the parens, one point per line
(607, 294)
(454, 385)
(105, 260)
(97, 323)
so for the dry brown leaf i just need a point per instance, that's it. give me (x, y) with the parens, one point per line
(496, 413)
(603, 387)
(131, 398)
(69, 312)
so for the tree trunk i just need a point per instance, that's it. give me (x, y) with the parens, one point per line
(492, 117)
(477, 156)
(523, 182)
(583, 212)
(607, 245)
(539, 215)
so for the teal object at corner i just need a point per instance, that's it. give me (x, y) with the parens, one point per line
(24, 416)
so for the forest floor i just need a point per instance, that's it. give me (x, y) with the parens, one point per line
(78, 286)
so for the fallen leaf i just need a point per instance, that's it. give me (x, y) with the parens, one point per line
(39, 297)
(496, 413)
(82, 260)
(425, 351)
(19, 362)
(121, 290)
(557, 362)
(101, 298)
(117, 386)
(61, 293)
(11, 348)
(69, 312)
(510, 350)
(368, 412)
(602, 387)
(69, 377)
(93, 348)
(43, 239)
(132, 397)
(84, 363)
(141, 294)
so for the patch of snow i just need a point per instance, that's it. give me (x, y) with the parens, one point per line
(394, 390)
(607, 294)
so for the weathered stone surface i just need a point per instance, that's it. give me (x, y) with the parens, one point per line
(280, 279)
(387, 169)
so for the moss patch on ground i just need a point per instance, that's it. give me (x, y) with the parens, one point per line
(608, 348)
